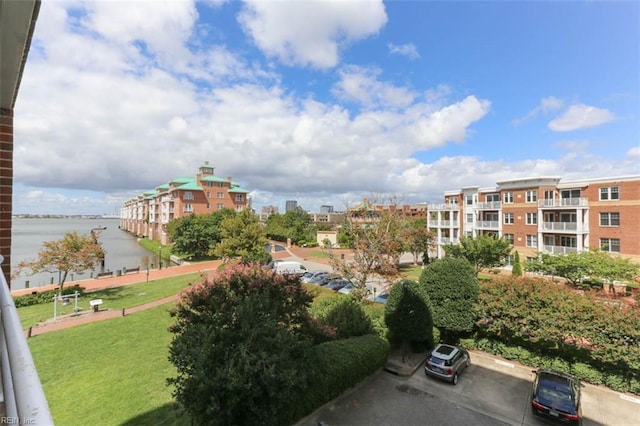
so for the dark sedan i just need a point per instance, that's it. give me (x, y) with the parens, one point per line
(556, 396)
(336, 284)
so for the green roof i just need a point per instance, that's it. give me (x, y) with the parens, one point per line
(238, 189)
(182, 180)
(190, 186)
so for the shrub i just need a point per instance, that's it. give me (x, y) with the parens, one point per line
(45, 296)
(408, 313)
(346, 315)
(587, 373)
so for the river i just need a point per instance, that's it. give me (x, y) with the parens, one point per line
(28, 234)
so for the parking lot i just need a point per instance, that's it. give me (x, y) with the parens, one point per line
(490, 392)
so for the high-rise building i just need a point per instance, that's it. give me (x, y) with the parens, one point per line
(290, 205)
(326, 209)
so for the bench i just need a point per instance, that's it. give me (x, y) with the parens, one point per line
(130, 270)
(105, 274)
(95, 304)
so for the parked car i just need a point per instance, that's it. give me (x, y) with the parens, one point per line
(289, 268)
(381, 298)
(556, 396)
(313, 277)
(447, 362)
(349, 288)
(336, 284)
(319, 278)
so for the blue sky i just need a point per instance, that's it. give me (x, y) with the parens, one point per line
(325, 102)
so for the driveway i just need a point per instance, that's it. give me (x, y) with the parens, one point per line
(490, 392)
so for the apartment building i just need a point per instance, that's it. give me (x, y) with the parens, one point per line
(544, 214)
(148, 214)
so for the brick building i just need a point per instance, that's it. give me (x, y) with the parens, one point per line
(148, 214)
(544, 214)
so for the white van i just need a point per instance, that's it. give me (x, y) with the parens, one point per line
(288, 267)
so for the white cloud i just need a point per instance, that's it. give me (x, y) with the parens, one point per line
(362, 85)
(409, 50)
(581, 116)
(310, 33)
(547, 105)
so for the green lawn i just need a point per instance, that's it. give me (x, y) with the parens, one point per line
(113, 298)
(109, 372)
(319, 254)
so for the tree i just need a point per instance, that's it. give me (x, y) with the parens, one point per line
(482, 252)
(241, 346)
(452, 286)
(376, 243)
(345, 314)
(196, 235)
(294, 224)
(408, 314)
(517, 267)
(417, 238)
(73, 253)
(242, 236)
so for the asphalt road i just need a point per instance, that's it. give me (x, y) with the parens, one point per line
(490, 392)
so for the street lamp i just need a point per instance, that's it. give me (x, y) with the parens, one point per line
(160, 257)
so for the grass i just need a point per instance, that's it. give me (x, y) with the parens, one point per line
(319, 254)
(109, 372)
(114, 298)
(411, 272)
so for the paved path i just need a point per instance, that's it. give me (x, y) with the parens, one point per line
(86, 317)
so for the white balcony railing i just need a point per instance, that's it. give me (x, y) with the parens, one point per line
(443, 206)
(563, 202)
(488, 224)
(559, 226)
(442, 223)
(24, 399)
(559, 249)
(448, 240)
(489, 205)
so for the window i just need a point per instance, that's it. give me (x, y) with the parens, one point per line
(609, 193)
(531, 196)
(220, 194)
(188, 208)
(239, 198)
(493, 197)
(469, 217)
(532, 241)
(508, 218)
(219, 206)
(188, 195)
(570, 193)
(610, 244)
(609, 219)
(208, 206)
(469, 200)
(208, 194)
(238, 209)
(566, 241)
(508, 237)
(508, 197)
(532, 218)
(220, 184)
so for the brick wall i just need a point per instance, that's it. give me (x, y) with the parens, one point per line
(6, 188)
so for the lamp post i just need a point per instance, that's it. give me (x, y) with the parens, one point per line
(160, 257)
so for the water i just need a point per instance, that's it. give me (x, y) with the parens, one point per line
(122, 249)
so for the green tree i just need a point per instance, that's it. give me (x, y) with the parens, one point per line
(196, 235)
(408, 314)
(452, 286)
(295, 224)
(345, 314)
(376, 242)
(417, 238)
(517, 266)
(242, 236)
(482, 252)
(72, 254)
(241, 347)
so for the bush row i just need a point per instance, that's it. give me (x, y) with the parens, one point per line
(337, 366)
(44, 296)
(621, 381)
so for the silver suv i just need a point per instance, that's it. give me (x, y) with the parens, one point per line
(447, 362)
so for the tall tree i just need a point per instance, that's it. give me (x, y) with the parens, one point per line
(242, 236)
(485, 251)
(241, 347)
(376, 243)
(72, 254)
(452, 286)
(417, 238)
(517, 267)
(196, 235)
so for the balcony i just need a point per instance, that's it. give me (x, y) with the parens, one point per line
(166, 199)
(559, 249)
(563, 202)
(490, 205)
(443, 207)
(444, 241)
(559, 227)
(23, 396)
(488, 224)
(442, 223)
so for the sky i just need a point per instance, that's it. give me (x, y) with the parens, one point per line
(323, 102)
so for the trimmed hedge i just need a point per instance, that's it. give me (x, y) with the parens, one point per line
(44, 296)
(337, 366)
